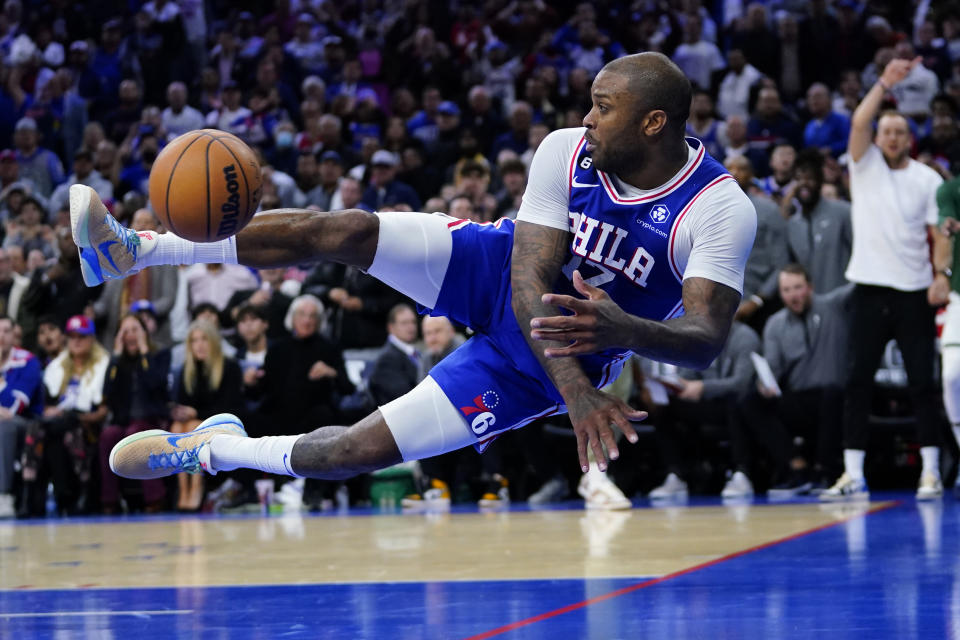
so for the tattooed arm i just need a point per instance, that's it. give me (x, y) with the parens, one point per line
(538, 255)
(692, 340)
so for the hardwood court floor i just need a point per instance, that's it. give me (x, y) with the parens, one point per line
(888, 569)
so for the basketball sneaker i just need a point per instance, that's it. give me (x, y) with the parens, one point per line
(108, 251)
(157, 453)
(930, 487)
(846, 488)
(599, 492)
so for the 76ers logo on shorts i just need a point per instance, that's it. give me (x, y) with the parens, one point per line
(659, 213)
(482, 412)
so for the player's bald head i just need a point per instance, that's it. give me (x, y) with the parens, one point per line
(657, 83)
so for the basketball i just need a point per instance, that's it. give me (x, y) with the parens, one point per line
(205, 185)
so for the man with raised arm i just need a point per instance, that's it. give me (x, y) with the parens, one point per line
(630, 238)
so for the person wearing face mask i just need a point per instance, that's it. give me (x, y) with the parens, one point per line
(283, 156)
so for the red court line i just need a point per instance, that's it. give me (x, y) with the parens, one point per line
(670, 576)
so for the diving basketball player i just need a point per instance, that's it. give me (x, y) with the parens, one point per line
(630, 238)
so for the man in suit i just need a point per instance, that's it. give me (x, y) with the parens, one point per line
(725, 392)
(397, 368)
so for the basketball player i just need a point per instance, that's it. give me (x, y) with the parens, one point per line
(633, 232)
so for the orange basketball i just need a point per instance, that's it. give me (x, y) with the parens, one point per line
(205, 185)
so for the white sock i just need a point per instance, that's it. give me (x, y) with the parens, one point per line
(931, 460)
(171, 249)
(853, 462)
(271, 453)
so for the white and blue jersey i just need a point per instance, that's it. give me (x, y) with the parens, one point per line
(636, 246)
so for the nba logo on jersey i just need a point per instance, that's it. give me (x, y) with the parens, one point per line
(659, 213)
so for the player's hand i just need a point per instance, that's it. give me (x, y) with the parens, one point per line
(938, 293)
(591, 413)
(596, 323)
(746, 309)
(338, 295)
(898, 69)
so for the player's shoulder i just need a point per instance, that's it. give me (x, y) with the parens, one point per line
(563, 141)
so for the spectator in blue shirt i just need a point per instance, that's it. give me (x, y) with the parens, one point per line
(20, 398)
(826, 129)
(384, 187)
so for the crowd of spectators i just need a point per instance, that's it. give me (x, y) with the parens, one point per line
(414, 105)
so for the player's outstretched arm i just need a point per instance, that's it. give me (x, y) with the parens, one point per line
(598, 323)
(538, 255)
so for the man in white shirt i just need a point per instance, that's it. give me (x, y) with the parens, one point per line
(894, 214)
(697, 57)
(179, 117)
(734, 96)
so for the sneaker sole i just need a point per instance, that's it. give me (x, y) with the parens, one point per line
(79, 218)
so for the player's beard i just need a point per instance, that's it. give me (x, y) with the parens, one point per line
(622, 158)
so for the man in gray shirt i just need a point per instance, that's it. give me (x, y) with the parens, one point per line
(806, 343)
(819, 233)
(769, 251)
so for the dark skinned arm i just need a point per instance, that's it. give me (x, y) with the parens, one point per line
(538, 255)
(692, 340)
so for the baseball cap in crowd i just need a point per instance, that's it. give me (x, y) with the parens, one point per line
(113, 24)
(306, 18)
(142, 305)
(25, 123)
(331, 156)
(331, 41)
(448, 108)
(231, 85)
(383, 158)
(79, 154)
(366, 93)
(79, 45)
(80, 325)
(7, 155)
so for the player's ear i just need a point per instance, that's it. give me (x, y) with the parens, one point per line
(654, 122)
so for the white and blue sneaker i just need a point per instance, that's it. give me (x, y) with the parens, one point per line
(157, 453)
(108, 251)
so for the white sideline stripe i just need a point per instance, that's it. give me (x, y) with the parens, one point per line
(66, 614)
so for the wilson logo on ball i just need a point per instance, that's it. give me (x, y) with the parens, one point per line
(230, 208)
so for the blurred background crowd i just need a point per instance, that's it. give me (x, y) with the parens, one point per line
(416, 105)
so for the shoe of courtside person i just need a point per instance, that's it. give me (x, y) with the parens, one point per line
(738, 486)
(846, 488)
(672, 488)
(930, 487)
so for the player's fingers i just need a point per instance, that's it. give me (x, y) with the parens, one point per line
(554, 322)
(589, 291)
(610, 439)
(567, 302)
(569, 335)
(582, 451)
(576, 349)
(597, 447)
(619, 419)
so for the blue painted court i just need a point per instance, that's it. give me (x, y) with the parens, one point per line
(885, 570)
